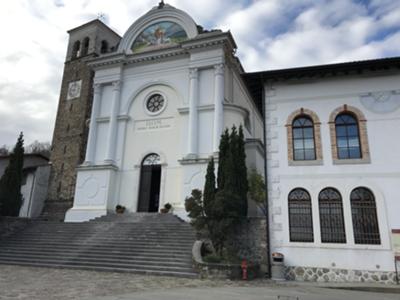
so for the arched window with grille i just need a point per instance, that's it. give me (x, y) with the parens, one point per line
(365, 220)
(303, 138)
(300, 216)
(347, 136)
(331, 216)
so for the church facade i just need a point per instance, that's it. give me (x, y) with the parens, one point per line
(152, 105)
(160, 104)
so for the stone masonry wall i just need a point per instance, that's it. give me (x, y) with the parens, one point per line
(338, 275)
(70, 133)
(251, 241)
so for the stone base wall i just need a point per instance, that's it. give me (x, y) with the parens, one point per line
(338, 275)
(250, 240)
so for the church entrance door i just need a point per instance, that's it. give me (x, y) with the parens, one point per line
(150, 180)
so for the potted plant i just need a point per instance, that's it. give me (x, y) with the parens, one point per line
(167, 207)
(119, 209)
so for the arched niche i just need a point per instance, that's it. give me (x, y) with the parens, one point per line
(155, 19)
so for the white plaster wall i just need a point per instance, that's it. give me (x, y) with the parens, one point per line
(381, 175)
(39, 196)
(140, 142)
(26, 191)
(206, 86)
(242, 98)
(105, 101)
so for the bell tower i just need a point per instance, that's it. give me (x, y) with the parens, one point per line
(74, 107)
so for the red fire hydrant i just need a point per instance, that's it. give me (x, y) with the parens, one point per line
(244, 269)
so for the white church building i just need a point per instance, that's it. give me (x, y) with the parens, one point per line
(162, 99)
(161, 102)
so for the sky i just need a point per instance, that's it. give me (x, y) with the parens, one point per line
(270, 34)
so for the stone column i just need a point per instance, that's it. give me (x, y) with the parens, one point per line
(193, 114)
(113, 124)
(91, 143)
(218, 104)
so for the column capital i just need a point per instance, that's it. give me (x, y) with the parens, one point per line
(96, 88)
(219, 69)
(116, 85)
(193, 73)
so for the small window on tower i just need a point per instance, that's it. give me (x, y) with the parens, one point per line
(104, 47)
(85, 48)
(76, 49)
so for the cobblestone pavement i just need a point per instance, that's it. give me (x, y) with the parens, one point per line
(61, 284)
(47, 283)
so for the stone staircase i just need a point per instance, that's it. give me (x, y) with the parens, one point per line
(145, 243)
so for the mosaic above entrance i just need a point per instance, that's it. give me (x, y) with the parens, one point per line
(159, 35)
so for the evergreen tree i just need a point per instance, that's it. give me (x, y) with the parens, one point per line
(194, 206)
(243, 185)
(222, 156)
(209, 188)
(10, 182)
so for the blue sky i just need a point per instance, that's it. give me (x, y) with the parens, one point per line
(270, 34)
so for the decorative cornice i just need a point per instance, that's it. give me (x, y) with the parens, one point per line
(200, 42)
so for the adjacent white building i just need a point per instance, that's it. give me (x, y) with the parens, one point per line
(333, 168)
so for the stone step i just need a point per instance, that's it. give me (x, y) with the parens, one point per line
(141, 247)
(142, 243)
(93, 253)
(101, 263)
(97, 241)
(127, 251)
(88, 258)
(105, 269)
(151, 239)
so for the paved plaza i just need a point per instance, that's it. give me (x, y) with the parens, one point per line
(61, 284)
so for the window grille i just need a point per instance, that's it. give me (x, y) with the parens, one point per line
(303, 139)
(151, 159)
(300, 216)
(331, 216)
(347, 137)
(365, 220)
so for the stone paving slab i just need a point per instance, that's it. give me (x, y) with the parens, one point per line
(17, 282)
(25, 283)
(251, 293)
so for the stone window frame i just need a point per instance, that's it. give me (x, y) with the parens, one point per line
(363, 135)
(317, 138)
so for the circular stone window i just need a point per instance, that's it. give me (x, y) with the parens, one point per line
(155, 103)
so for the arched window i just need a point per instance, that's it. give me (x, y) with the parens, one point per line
(331, 216)
(85, 48)
(365, 220)
(300, 216)
(303, 138)
(104, 47)
(151, 159)
(347, 136)
(76, 48)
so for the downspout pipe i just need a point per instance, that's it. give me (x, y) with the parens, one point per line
(267, 229)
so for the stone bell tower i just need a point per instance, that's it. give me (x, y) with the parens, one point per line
(70, 133)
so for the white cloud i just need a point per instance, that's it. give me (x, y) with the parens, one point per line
(269, 33)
